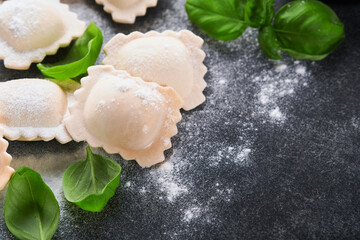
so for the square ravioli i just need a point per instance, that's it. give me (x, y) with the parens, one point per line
(125, 11)
(170, 58)
(33, 109)
(31, 29)
(124, 114)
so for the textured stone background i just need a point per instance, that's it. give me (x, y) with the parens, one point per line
(274, 152)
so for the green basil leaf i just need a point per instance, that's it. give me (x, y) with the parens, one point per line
(223, 20)
(31, 210)
(82, 55)
(259, 12)
(269, 43)
(92, 182)
(308, 29)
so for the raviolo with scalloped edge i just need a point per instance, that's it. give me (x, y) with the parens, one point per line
(170, 58)
(126, 11)
(124, 114)
(32, 110)
(31, 29)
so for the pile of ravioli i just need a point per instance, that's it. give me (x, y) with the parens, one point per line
(130, 105)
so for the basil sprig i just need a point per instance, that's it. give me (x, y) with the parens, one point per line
(92, 182)
(82, 55)
(305, 29)
(31, 210)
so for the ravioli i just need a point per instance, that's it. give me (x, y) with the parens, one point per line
(170, 58)
(124, 114)
(125, 11)
(33, 109)
(31, 29)
(5, 170)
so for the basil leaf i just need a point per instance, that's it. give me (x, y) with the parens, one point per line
(223, 20)
(308, 29)
(31, 210)
(92, 182)
(269, 43)
(82, 54)
(259, 12)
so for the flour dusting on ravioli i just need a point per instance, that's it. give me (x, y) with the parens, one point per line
(31, 29)
(124, 115)
(170, 58)
(33, 109)
(125, 11)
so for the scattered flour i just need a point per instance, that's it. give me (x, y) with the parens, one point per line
(275, 85)
(172, 189)
(168, 179)
(124, 85)
(149, 96)
(232, 154)
(260, 84)
(243, 155)
(300, 70)
(222, 81)
(144, 93)
(143, 190)
(192, 213)
(101, 105)
(127, 184)
(276, 115)
(281, 68)
(225, 194)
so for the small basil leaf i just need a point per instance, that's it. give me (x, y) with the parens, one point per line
(92, 182)
(259, 12)
(308, 29)
(31, 210)
(223, 20)
(82, 54)
(269, 43)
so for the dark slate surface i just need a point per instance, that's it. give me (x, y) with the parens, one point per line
(241, 173)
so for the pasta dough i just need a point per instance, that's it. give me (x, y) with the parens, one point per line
(31, 29)
(125, 11)
(5, 170)
(170, 58)
(33, 109)
(124, 115)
